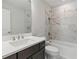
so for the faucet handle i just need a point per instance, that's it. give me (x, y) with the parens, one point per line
(22, 36)
(18, 36)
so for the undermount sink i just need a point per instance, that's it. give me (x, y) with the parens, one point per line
(20, 42)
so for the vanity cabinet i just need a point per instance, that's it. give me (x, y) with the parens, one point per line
(34, 52)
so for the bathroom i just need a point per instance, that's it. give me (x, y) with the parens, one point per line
(39, 29)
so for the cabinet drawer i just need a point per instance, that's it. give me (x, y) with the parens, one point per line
(28, 52)
(42, 44)
(11, 57)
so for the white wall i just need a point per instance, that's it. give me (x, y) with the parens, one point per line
(38, 17)
(17, 17)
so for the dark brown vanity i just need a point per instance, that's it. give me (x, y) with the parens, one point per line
(34, 52)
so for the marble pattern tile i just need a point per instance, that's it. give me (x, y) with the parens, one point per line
(63, 23)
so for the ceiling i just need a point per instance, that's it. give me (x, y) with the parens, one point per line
(18, 3)
(23, 3)
(55, 3)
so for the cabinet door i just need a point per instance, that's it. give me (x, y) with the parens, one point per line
(42, 45)
(29, 57)
(28, 52)
(11, 57)
(39, 55)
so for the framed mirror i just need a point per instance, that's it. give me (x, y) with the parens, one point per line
(16, 17)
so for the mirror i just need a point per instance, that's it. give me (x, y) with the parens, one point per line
(16, 16)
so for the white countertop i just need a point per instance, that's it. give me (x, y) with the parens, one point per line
(8, 49)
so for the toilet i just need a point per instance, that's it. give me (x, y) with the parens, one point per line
(51, 52)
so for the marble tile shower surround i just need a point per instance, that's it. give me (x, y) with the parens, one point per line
(63, 23)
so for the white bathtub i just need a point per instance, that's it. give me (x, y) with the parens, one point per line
(67, 50)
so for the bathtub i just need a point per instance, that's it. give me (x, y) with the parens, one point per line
(67, 50)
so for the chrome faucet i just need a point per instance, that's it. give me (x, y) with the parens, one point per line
(17, 37)
(13, 38)
(20, 36)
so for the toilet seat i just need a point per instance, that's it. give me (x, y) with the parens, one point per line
(52, 50)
